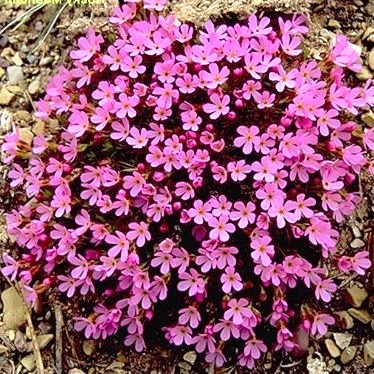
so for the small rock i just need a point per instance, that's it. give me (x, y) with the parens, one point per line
(364, 74)
(28, 362)
(13, 308)
(348, 354)
(5, 96)
(34, 87)
(3, 349)
(368, 118)
(76, 371)
(11, 335)
(185, 365)
(368, 32)
(20, 342)
(26, 135)
(360, 314)
(332, 348)
(45, 61)
(190, 357)
(2, 72)
(89, 347)
(357, 243)
(356, 295)
(16, 59)
(44, 340)
(15, 74)
(370, 59)
(3, 41)
(38, 128)
(22, 115)
(369, 353)
(342, 340)
(334, 23)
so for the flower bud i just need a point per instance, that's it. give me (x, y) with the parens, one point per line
(185, 217)
(149, 314)
(330, 146)
(239, 103)
(197, 68)
(97, 138)
(47, 281)
(231, 116)
(209, 127)
(199, 232)
(191, 143)
(182, 138)
(238, 72)
(164, 228)
(349, 179)
(141, 168)
(67, 168)
(109, 292)
(158, 176)
(191, 135)
(177, 206)
(169, 210)
(92, 254)
(198, 182)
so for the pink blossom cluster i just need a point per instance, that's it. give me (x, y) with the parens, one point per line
(197, 178)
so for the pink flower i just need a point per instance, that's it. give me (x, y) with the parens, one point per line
(230, 280)
(254, 347)
(121, 245)
(87, 46)
(200, 212)
(343, 54)
(238, 170)
(221, 228)
(166, 95)
(134, 183)
(324, 288)
(263, 252)
(243, 213)
(319, 323)
(192, 282)
(189, 315)
(238, 309)
(181, 334)
(219, 106)
(139, 231)
(283, 212)
(360, 262)
(62, 204)
(228, 329)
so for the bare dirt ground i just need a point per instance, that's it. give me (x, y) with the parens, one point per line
(349, 347)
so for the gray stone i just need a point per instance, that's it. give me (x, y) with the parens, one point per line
(342, 340)
(356, 295)
(357, 243)
(15, 74)
(13, 308)
(76, 371)
(361, 315)
(368, 118)
(348, 354)
(28, 362)
(190, 357)
(334, 351)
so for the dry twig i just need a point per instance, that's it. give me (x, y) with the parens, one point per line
(59, 324)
